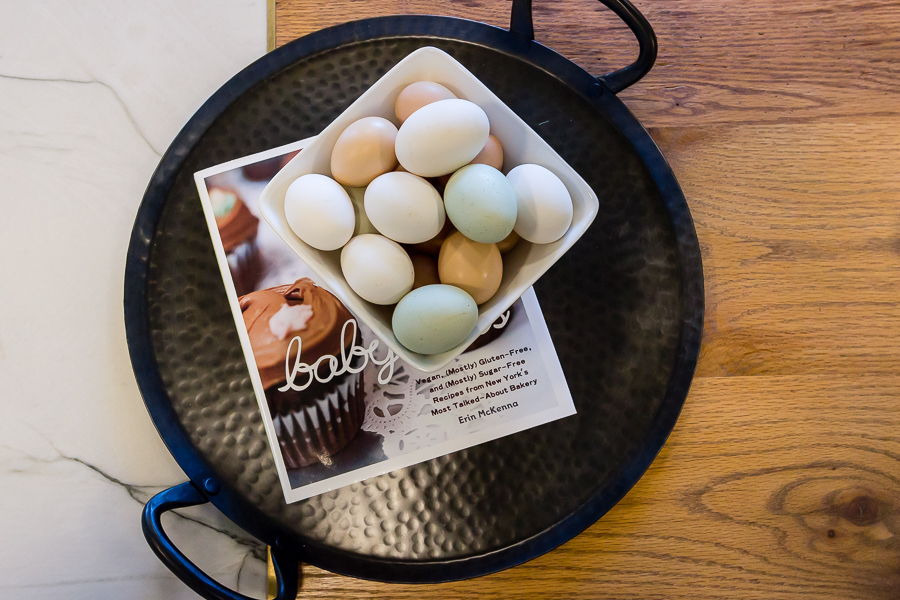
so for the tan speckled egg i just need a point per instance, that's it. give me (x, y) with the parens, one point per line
(491, 154)
(471, 266)
(508, 243)
(416, 95)
(426, 268)
(363, 151)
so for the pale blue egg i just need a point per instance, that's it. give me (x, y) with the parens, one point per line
(481, 203)
(434, 318)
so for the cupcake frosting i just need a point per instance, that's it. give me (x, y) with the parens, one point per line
(235, 222)
(276, 315)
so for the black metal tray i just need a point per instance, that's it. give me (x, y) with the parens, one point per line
(624, 307)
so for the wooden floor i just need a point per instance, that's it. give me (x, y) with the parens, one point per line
(782, 478)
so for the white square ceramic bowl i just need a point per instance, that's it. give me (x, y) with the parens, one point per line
(521, 267)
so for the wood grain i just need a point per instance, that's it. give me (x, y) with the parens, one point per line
(782, 477)
(770, 487)
(801, 244)
(753, 61)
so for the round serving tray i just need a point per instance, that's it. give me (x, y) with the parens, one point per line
(624, 307)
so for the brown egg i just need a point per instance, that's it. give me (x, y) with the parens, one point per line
(474, 267)
(491, 154)
(416, 95)
(508, 243)
(364, 151)
(440, 182)
(426, 269)
(433, 246)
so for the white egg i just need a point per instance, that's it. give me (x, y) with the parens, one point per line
(404, 207)
(544, 204)
(441, 137)
(377, 269)
(319, 211)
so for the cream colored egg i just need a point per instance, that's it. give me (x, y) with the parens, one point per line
(319, 211)
(404, 207)
(441, 137)
(377, 269)
(544, 204)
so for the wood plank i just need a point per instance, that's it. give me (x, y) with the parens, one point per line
(719, 62)
(781, 479)
(770, 487)
(800, 236)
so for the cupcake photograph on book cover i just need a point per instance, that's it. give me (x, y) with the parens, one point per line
(339, 406)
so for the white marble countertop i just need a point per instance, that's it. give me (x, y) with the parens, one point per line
(91, 93)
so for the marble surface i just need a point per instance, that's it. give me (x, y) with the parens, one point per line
(91, 93)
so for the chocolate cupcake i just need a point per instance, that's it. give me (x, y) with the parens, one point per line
(287, 158)
(237, 229)
(263, 170)
(313, 424)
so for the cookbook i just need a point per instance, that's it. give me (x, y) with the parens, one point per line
(338, 405)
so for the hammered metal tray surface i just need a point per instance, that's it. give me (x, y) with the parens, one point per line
(614, 306)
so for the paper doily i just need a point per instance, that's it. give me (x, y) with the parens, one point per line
(395, 410)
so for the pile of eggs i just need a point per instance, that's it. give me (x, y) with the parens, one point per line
(435, 186)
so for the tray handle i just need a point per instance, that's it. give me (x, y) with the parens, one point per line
(185, 494)
(522, 24)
